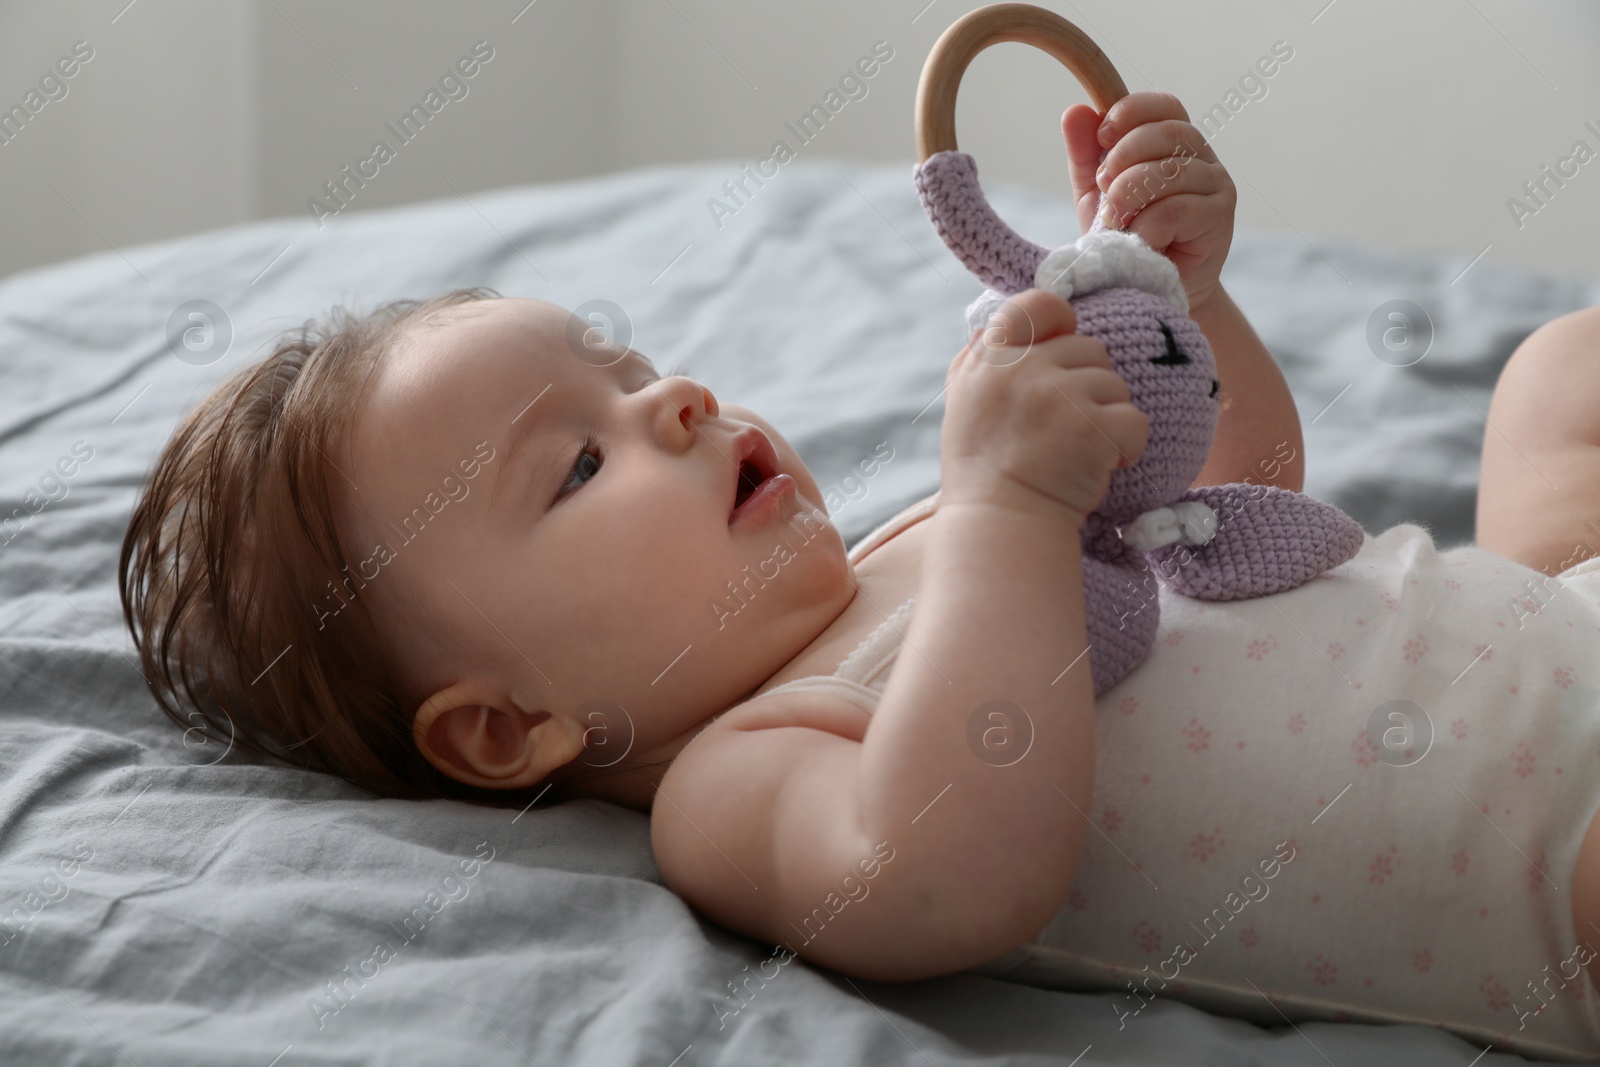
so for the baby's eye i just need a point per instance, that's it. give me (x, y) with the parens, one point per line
(1172, 356)
(587, 452)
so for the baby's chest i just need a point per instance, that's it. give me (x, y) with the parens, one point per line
(892, 572)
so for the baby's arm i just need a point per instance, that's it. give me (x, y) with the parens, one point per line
(1258, 429)
(1161, 180)
(907, 855)
(913, 845)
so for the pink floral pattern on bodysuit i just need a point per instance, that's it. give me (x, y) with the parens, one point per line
(1323, 972)
(1366, 752)
(1261, 646)
(1148, 938)
(1203, 845)
(1249, 758)
(1538, 872)
(1383, 866)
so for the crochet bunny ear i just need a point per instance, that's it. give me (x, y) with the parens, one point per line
(1259, 540)
(1100, 259)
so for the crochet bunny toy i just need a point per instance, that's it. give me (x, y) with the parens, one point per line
(1215, 542)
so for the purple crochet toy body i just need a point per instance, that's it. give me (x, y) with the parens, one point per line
(1216, 542)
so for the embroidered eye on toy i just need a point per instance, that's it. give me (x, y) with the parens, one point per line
(1215, 542)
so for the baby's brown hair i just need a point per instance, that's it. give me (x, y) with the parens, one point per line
(234, 543)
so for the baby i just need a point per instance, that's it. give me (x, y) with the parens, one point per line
(463, 548)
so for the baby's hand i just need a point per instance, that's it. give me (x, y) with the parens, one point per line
(1159, 180)
(1036, 417)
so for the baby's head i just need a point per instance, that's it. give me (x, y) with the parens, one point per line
(466, 547)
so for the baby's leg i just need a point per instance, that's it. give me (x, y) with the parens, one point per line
(1539, 485)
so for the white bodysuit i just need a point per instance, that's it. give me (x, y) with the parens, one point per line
(1271, 842)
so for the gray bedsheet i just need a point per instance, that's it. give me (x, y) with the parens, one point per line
(212, 903)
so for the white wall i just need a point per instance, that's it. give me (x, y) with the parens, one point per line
(155, 137)
(1407, 125)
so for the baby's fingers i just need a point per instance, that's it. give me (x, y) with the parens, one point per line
(1030, 316)
(1128, 430)
(1166, 139)
(1136, 109)
(1078, 125)
(1147, 183)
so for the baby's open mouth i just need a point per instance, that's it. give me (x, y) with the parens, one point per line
(750, 477)
(758, 462)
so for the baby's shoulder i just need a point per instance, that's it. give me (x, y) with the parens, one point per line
(786, 710)
(761, 739)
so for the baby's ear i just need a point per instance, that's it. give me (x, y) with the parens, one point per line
(483, 739)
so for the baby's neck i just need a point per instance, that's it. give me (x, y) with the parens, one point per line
(634, 786)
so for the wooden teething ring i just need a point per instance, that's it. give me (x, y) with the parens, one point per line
(947, 178)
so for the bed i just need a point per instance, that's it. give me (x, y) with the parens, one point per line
(225, 910)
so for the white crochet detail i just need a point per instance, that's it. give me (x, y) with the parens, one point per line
(1100, 259)
(1189, 521)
